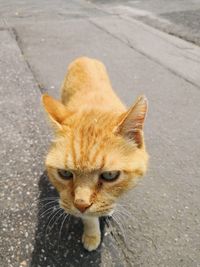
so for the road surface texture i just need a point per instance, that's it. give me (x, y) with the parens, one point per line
(160, 222)
(178, 17)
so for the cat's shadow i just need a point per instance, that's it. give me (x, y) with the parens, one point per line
(56, 247)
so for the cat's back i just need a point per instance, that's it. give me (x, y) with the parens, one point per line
(87, 78)
(88, 69)
(83, 75)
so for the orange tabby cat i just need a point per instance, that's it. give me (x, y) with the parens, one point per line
(98, 149)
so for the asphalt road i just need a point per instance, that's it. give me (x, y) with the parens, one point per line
(177, 17)
(38, 40)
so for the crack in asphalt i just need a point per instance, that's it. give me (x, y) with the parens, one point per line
(19, 43)
(14, 35)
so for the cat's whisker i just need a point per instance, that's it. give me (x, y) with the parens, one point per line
(47, 199)
(52, 216)
(108, 223)
(42, 205)
(65, 215)
(123, 218)
(56, 220)
(62, 224)
(47, 214)
(113, 231)
(115, 239)
(123, 213)
(112, 234)
(123, 206)
(123, 209)
(46, 211)
(42, 200)
(47, 205)
(118, 223)
(124, 223)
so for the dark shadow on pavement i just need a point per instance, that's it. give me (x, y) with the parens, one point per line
(56, 247)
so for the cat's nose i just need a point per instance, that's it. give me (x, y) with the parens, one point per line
(81, 205)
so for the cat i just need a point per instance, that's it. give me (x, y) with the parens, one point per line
(98, 150)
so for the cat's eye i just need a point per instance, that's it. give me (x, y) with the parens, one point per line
(110, 175)
(64, 174)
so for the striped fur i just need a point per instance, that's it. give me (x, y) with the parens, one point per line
(94, 132)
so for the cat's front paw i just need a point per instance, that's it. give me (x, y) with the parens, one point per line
(91, 242)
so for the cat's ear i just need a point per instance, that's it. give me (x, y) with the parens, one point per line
(55, 109)
(132, 122)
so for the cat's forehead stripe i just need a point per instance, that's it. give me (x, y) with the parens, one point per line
(81, 143)
(73, 151)
(84, 151)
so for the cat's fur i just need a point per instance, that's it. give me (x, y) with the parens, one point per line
(94, 132)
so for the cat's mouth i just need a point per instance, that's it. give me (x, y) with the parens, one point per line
(91, 213)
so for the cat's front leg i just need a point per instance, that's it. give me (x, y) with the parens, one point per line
(91, 234)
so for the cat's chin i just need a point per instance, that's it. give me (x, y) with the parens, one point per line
(95, 214)
(89, 214)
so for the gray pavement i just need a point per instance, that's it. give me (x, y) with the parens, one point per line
(176, 17)
(22, 151)
(37, 42)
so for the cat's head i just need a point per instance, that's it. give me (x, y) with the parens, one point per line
(95, 157)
